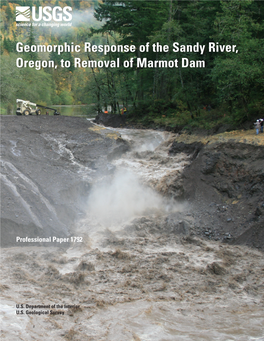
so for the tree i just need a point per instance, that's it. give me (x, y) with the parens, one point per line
(235, 79)
(10, 14)
(25, 83)
(31, 41)
(4, 3)
(134, 21)
(239, 76)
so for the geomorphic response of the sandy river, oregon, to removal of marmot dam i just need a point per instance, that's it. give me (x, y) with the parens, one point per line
(129, 234)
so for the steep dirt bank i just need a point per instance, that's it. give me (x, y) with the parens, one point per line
(225, 184)
(47, 165)
(121, 121)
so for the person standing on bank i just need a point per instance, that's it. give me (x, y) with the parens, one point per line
(257, 126)
(261, 125)
(123, 111)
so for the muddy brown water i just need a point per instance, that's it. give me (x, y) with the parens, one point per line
(136, 272)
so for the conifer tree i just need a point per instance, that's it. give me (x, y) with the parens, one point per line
(31, 41)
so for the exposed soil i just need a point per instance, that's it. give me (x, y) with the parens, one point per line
(111, 120)
(47, 166)
(225, 183)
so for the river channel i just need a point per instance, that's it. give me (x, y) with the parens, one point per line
(76, 110)
(137, 273)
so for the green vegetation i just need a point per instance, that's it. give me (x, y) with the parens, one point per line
(45, 86)
(230, 87)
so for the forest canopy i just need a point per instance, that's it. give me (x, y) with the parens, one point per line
(230, 84)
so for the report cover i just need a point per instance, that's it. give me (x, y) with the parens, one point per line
(132, 170)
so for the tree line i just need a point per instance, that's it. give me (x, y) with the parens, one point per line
(46, 86)
(231, 85)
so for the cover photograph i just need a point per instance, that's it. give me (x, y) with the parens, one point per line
(132, 170)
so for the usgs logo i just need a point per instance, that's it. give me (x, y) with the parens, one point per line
(46, 13)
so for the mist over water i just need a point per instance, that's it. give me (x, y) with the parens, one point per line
(122, 198)
(129, 193)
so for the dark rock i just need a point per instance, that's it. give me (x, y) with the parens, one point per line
(215, 268)
(182, 227)
(225, 187)
(122, 148)
(111, 120)
(181, 147)
(85, 266)
(210, 163)
(258, 212)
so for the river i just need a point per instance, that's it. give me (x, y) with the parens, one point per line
(137, 273)
(76, 110)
